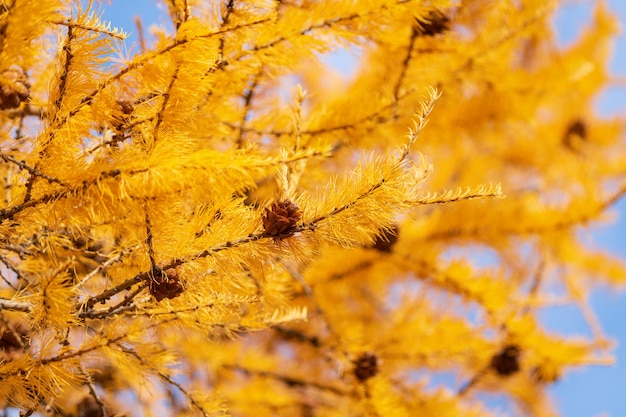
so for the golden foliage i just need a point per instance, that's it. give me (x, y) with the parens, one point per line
(183, 228)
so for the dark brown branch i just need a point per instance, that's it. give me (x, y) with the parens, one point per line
(252, 237)
(346, 206)
(32, 171)
(81, 352)
(149, 239)
(246, 108)
(230, 7)
(67, 49)
(291, 334)
(107, 294)
(117, 308)
(93, 392)
(182, 310)
(68, 55)
(77, 25)
(166, 98)
(16, 271)
(105, 264)
(289, 380)
(120, 138)
(405, 64)
(8, 213)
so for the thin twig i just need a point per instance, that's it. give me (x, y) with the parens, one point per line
(247, 99)
(560, 224)
(140, 35)
(405, 64)
(12, 305)
(105, 264)
(8, 213)
(472, 381)
(289, 380)
(170, 381)
(113, 33)
(115, 309)
(106, 294)
(534, 288)
(32, 171)
(16, 271)
(93, 392)
(166, 98)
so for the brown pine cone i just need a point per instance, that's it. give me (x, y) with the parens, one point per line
(280, 219)
(165, 284)
(385, 241)
(88, 408)
(365, 366)
(14, 88)
(436, 23)
(506, 362)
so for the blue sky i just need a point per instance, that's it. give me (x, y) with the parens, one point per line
(600, 390)
(590, 392)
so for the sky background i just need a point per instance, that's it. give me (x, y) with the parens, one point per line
(590, 392)
(596, 391)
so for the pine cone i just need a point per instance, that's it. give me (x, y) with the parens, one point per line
(126, 106)
(9, 341)
(436, 22)
(14, 88)
(88, 408)
(13, 340)
(575, 133)
(365, 366)
(385, 241)
(280, 219)
(506, 362)
(165, 284)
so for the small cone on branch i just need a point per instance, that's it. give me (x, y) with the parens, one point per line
(385, 241)
(89, 408)
(14, 88)
(365, 366)
(165, 284)
(13, 339)
(435, 23)
(506, 362)
(280, 218)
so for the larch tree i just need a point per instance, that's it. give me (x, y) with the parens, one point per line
(217, 223)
